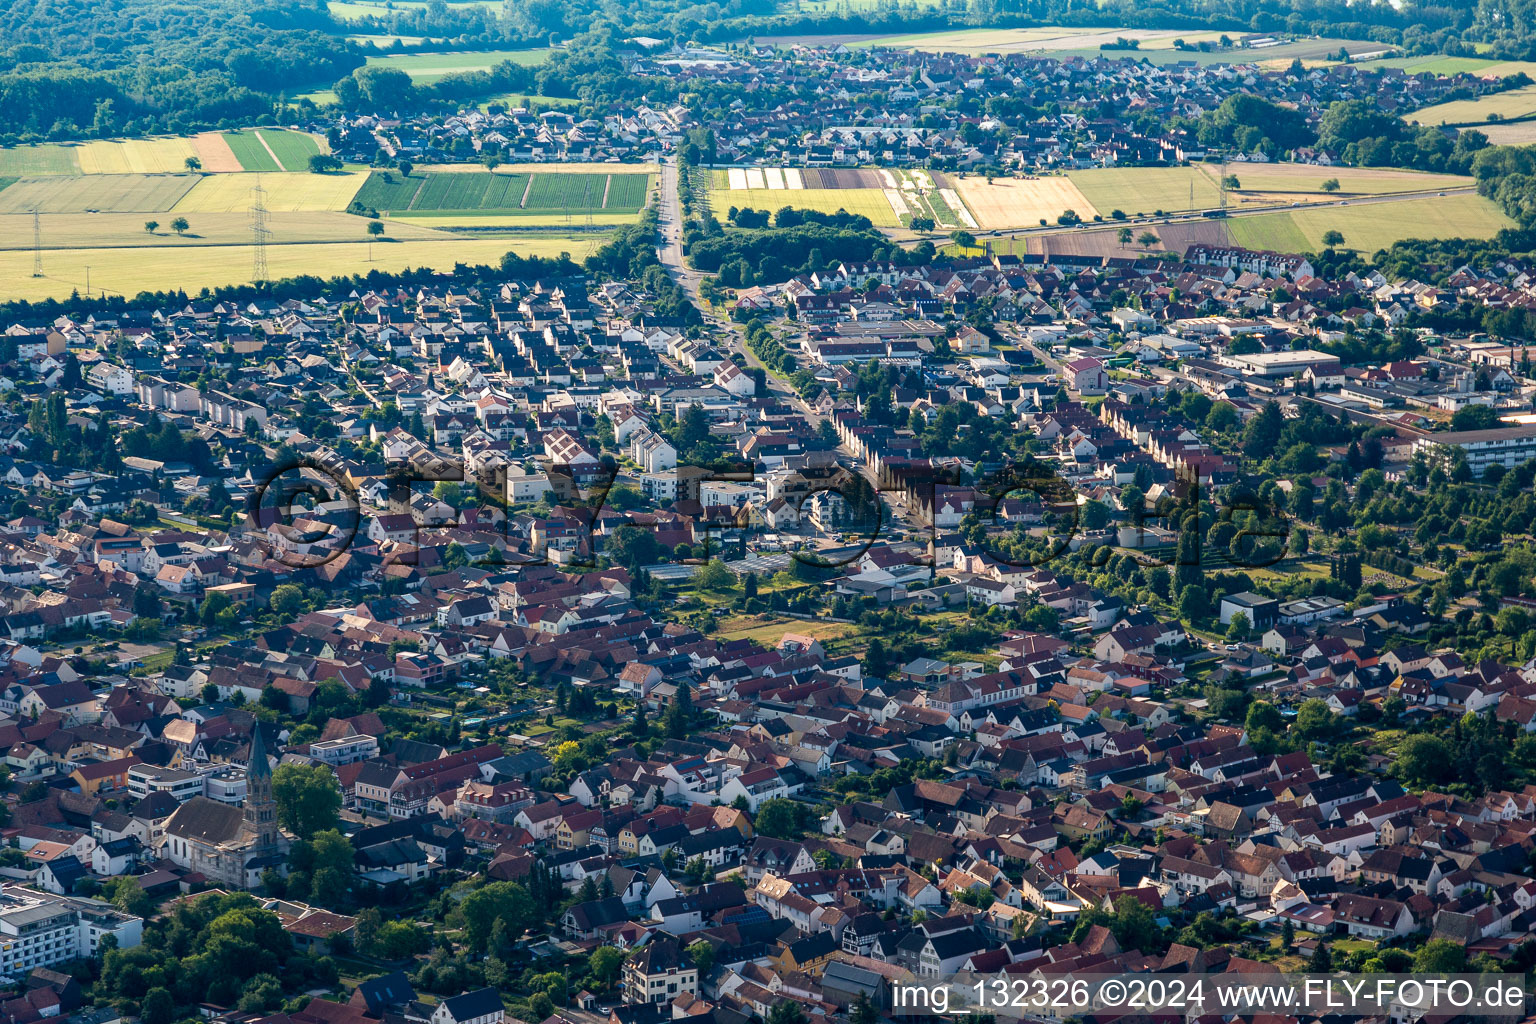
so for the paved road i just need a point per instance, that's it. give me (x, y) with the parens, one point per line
(670, 222)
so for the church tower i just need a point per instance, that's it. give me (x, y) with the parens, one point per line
(260, 808)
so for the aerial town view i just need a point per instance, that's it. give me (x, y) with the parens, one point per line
(767, 512)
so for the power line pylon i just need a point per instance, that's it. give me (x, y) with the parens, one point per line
(260, 233)
(37, 244)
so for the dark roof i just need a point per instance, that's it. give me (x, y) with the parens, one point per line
(480, 1003)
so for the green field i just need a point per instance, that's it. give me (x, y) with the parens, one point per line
(106, 193)
(870, 202)
(1501, 106)
(1370, 226)
(484, 192)
(425, 68)
(352, 11)
(24, 161)
(293, 149)
(248, 149)
(1144, 190)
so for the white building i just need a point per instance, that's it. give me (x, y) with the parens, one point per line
(38, 929)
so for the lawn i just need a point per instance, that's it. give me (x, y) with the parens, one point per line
(1144, 190)
(293, 149)
(105, 193)
(870, 202)
(129, 271)
(251, 151)
(425, 68)
(1502, 106)
(27, 161)
(294, 191)
(1371, 226)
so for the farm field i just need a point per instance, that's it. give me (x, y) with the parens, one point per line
(111, 230)
(1144, 190)
(426, 68)
(479, 192)
(130, 271)
(1516, 133)
(251, 151)
(1514, 103)
(159, 155)
(114, 193)
(1306, 178)
(520, 221)
(294, 191)
(1442, 65)
(1014, 202)
(1043, 38)
(293, 149)
(870, 202)
(49, 158)
(1374, 225)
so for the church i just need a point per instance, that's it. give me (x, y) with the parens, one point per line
(231, 846)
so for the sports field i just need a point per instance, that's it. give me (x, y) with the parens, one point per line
(1144, 190)
(130, 271)
(1371, 226)
(869, 202)
(1021, 202)
(1514, 103)
(106, 193)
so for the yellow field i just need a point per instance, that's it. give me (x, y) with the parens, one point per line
(136, 156)
(1305, 178)
(291, 191)
(600, 218)
(108, 193)
(1516, 133)
(1514, 103)
(107, 230)
(130, 271)
(1015, 202)
(870, 202)
(1144, 190)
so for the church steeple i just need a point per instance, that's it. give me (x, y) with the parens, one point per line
(260, 807)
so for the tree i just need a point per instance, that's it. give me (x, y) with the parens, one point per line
(778, 819)
(504, 901)
(180, 225)
(1125, 235)
(606, 964)
(158, 1007)
(786, 1011)
(1440, 956)
(1263, 715)
(1314, 719)
(405, 167)
(863, 1010)
(713, 575)
(323, 163)
(1238, 629)
(1423, 760)
(964, 239)
(703, 956)
(1287, 935)
(151, 226)
(1331, 185)
(1475, 417)
(1333, 238)
(192, 164)
(307, 798)
(1321, 961)
(287, 600)
(632, 547)
(1147, 239)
